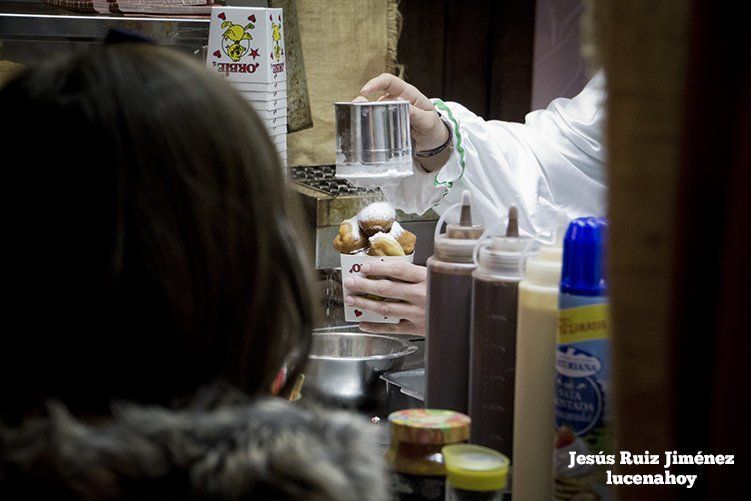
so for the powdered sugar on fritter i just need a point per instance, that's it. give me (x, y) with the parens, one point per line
(396, 230)
(354, 228)
(382, 236)
(379, 211)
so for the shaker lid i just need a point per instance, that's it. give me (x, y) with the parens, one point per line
(429, 426)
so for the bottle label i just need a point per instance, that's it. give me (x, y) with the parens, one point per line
(581, 399)
(584, 323)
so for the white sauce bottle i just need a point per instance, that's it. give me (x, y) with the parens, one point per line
(534, 397)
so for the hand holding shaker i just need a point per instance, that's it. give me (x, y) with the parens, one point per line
(373, 142)
(448, 307)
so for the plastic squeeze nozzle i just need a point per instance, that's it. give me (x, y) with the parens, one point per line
(466, 217)
(465, 229)
(512, 230)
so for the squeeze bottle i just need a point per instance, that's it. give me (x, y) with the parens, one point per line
(448, 307)
(583, 394)
(495, 285)
(537, 325)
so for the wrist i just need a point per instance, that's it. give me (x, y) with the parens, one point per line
(437, 157)
(435, 138)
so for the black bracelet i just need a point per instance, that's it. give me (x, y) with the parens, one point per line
(435, 151)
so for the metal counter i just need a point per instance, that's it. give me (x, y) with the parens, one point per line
(32, 31)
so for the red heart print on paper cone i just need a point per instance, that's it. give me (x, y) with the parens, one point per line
(358, 313)
(217, 53)
(222, 16)
(252, 18)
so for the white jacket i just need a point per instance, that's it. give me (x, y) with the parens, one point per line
(555, 160)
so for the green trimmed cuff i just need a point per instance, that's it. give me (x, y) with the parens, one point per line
(458, 146)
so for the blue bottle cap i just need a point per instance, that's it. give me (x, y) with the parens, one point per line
(583, 271)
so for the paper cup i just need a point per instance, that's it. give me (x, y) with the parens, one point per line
(260, 87)
(277, 130)
(351, 265)
(251, 51)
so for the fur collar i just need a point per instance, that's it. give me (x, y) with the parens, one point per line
(268, 449)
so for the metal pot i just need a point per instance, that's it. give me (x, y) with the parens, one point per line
(373, 142)
(345, 367)
(405, 390)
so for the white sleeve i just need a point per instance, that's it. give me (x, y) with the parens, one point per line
(555, 160)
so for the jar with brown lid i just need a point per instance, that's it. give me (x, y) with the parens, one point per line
(417, 436)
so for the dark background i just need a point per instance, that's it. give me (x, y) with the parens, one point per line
(476, 52)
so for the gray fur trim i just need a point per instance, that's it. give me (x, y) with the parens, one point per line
(269, 449)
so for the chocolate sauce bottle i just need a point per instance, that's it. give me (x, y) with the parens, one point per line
(448, 311)
(495, 292)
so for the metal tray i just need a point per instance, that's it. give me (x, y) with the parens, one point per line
(405, 389)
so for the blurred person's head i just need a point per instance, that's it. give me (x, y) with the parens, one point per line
(151, 245)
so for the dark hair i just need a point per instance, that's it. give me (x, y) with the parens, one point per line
(152, 243)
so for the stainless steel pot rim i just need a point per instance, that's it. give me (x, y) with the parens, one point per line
(370, 103)
(409, 348)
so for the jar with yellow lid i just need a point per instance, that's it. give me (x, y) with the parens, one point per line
(474, 473)
(417, 437)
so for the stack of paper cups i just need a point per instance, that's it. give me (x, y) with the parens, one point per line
(246, 46)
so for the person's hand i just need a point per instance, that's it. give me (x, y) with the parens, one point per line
(409, 287)
(428, 131)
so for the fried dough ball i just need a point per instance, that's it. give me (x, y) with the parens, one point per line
(406, 238)
(350, 238)
(377, 217)
(383, 244)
